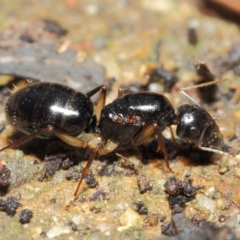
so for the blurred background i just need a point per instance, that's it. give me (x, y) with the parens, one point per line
(142, 45)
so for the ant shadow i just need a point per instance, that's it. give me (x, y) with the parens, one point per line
(42, 148)
(195, 156)
(37, 146)
(56, 154)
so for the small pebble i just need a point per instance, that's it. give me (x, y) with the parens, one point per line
(130, 218)
(206, 203)
(25, 216)
(223, 169)
(57, 231)
(222, 218)
(10, 205)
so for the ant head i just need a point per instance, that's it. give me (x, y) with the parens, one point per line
(188, 128)
(195, 125)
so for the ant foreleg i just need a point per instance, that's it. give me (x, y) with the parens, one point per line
(162, 147)
(173, 137)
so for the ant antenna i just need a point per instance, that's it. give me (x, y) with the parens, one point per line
(216, 151)
(211, 149)
(182, 90)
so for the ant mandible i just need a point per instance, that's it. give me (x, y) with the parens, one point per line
(50, 110)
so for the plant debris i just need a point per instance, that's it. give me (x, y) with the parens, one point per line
(205, 77)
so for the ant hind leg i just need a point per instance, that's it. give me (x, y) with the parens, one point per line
(27, 138)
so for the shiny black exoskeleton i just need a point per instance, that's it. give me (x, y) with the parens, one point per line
(53, 110)
(195, 125)
(41, 104)
(49, 110)
(123, 119)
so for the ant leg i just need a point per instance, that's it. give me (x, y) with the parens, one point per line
(84, 175)
(147, 135)
(86, 169)
(101, 101)
(92, 142)
(108, 147)
(162, 146)
(173, 137)
(100, 149)
(71, 140)
(95, 90)
(86, 140)
(27, 138)
(182, 90)
(123, 91)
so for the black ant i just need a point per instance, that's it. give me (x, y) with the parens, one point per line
(49, 110)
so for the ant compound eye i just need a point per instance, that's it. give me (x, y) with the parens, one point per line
(194, 132)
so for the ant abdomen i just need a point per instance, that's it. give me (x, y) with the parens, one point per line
(195, 125)
(40, 104)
